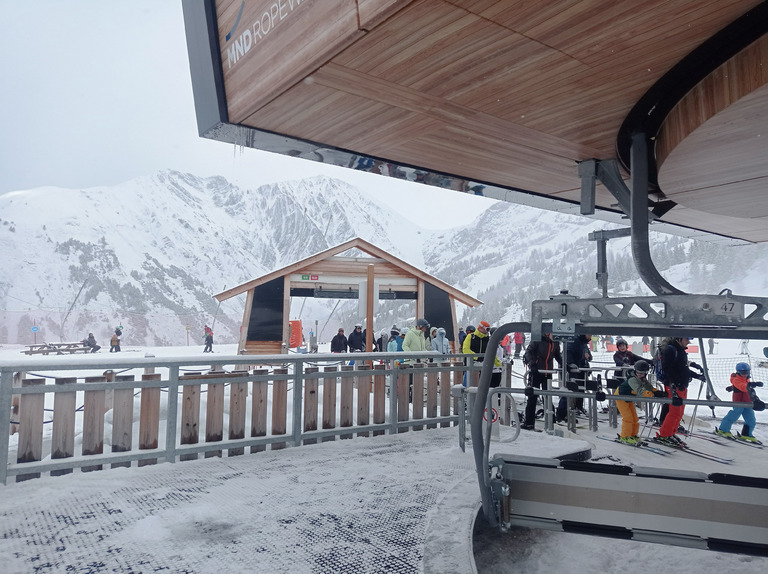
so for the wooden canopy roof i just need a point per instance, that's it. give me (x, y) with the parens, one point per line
(502, 98)
(329, 270)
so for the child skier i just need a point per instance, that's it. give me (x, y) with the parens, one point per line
(635, 383)
(743, 392)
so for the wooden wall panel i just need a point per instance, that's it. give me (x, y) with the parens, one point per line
(279, 43)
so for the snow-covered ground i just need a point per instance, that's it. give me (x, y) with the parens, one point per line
(320, 508)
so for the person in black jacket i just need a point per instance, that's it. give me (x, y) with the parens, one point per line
(539, 356)
(577, 356)
(623, 357)
(677, 375)
(356, 340)
(339, 342)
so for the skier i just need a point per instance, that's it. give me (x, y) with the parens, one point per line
(440, 343)
(677, 375)
(635, 383)
(114, 343)
(208, 340)
(623, 356)
(356, 340)
(743, 392)
(519, 339)
(577, 357)
(539, 356)
(339, 342)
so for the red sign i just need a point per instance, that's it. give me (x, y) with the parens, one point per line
(314, 277)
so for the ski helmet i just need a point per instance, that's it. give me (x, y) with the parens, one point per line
(642, 366)
(423, 323)
(470, 329)
(742, 368)
(358, 326)
(621, 341)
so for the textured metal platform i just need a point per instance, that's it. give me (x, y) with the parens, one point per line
(397, 503)
(360, 505)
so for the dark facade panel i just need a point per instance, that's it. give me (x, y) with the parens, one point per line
(437, 309)
(266, 320)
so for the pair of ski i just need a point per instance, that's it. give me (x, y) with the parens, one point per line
(656, 448)
(738, 440)
(699, 453)
(643, 445)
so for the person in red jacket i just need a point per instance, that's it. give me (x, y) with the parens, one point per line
(519, 339)
(742, 393)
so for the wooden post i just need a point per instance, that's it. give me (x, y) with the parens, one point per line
(14, 428)
(310, 404)
(363, 398)
(329, 402)
(347, 399)
(214, 413)
(238, 397)
(108, 395)
(432, 393)
(149, 418)
(279, 407)
(259, 409)
(122, 418)
(418, 395)
(379, 397)
(190, 415)
(93, 422)
(63, 432)
(445, 393)
(31, 409)
(403, 388)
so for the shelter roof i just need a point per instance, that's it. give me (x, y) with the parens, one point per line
(335, 252)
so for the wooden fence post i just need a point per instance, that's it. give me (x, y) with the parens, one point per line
(460, 381)
(214, 413)
(347, 399)
(122, 418)
(63, 432)
(30, 446)
(190, 414)
(403, 391)
(259, 409)
(149, 418)
(445, 393)
(93, 422)
(418, 394)
(310, 404)
(279, 407)
(238, 397)
(14, 427)
(432, 393)
(329, 402)
(364, 398)
(379, 397)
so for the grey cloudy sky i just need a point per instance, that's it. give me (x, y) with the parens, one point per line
(98, 92)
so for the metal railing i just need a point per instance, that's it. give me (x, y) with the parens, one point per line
(372, 398)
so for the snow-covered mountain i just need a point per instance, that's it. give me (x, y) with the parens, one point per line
(150, 253)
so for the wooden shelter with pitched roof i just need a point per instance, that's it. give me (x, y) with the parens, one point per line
(333, 273)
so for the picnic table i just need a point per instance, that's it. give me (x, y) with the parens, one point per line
(57, 348)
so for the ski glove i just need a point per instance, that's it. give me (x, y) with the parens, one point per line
(677, 401)
(756, 384)
(659, 394)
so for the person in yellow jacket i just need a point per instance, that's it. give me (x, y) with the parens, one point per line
(477, 342)
(635, 383)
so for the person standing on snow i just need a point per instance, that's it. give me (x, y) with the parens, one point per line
(440, 343)
(339, 342)
(577, 356)
(539, 356)
(635, 383)
(743, 392)
(677, 375)
(208, 340)
(623, 357)
(356, 340)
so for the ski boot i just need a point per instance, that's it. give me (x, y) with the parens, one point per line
(726, 434)
(630, 440)
(748, 438)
